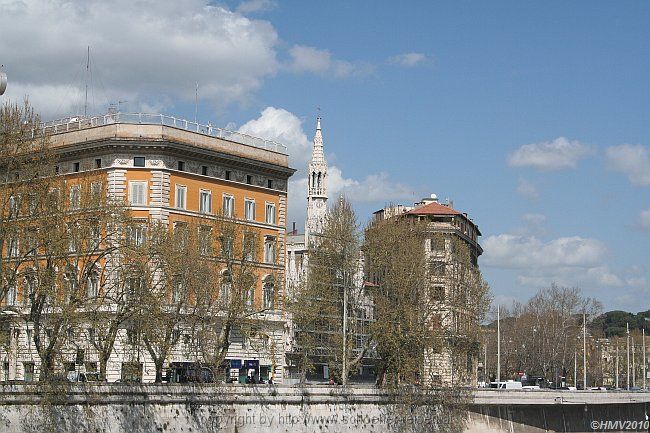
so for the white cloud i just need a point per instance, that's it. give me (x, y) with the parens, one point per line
(408, 60)
(318, 61)
(527, 189)
(554, 155)
(142, 51)
(631, 159)
(644, 219)
(519, 252)
(285, 127)
(376, 187)
(251, 6)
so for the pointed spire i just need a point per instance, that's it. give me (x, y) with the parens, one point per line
(317, 156)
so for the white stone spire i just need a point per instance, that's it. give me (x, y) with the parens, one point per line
(317, 186)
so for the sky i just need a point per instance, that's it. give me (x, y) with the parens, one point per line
(533, 117)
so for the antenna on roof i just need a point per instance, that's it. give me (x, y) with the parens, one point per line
(196, 102)
(87, 72)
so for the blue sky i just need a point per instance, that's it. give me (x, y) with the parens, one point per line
(531, 116)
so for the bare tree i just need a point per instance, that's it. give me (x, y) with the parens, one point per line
(332, 294)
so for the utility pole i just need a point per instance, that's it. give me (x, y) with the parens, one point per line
(584, 351)
(617, 363)
(575, 368)
(486, 376)
(498, 346)
(633, 364)
(345, 324)
(627, 378)
(645, 373)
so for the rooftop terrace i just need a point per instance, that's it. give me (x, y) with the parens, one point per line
(77, 123)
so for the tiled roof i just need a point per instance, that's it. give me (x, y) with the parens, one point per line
(433, 208)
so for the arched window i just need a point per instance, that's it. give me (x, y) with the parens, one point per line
(269, 293)
(226, 286)
(69, 286)
(92, 284)
(319, 178)
(11, 295)
(313, 179)
(29, 286)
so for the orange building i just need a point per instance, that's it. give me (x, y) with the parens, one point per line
(174, 171)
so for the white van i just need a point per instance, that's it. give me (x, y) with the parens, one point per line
(511, 384)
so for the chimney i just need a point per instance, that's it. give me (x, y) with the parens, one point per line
(293, 231)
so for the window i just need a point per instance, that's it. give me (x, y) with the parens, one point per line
(228, 207)
(95, 235)
(177, 289)
(227, 174)
(204, 170)
(11, 295)
(226, 285)
(181, 235)
(32, 241)
(269, 250)
(133, 287)
(13, 248)
(205, 241)
(270, 213)
(95, 192)
(205, 201)
(438, 244)
(439, 293)
(29, 371)
(269, 183)
(248, 296)
(248, 247)
(181, 196)
(438, 268)
(92, 289)
(269, 293)
(138, 161)
(249, 179)
(29, 288)
(181, 165)
(226, 246)
(75, 167)
(135, 235)
(138, 192)
(98, 163)
(249, 209)
(32, 204)
(75, 197)
(71, 232)
(69, 286)
(14, 207)
(53, 200)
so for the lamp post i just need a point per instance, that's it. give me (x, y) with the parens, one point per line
(498, 346)
(627, 377)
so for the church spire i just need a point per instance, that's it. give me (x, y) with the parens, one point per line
(317, 185)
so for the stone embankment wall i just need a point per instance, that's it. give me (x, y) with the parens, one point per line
(256, 409)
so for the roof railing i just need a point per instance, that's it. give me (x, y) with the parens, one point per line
(75, 123)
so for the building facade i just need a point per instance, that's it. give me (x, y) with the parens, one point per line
(447, 229)
(173, 172)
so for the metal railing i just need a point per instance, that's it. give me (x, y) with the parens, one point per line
(75, 123)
